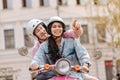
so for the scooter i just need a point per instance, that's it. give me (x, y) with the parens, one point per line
(61, 68)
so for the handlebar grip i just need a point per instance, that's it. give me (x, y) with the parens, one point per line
(80, 71)
(88, 71)
(35, 69)
(30, 69)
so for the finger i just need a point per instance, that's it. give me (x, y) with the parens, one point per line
(85, 69)
(74, 23)
(78, 24)
(34, 67)
(79, 28)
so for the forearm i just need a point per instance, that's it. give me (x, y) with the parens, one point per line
(35, 48)
(38, 58)
(85, 58)
(82, 52)
(69, 34)
(35, 60)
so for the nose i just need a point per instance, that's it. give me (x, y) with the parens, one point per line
(43, 30)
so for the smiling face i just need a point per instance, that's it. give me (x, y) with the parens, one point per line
(41, 33)
(56, 29)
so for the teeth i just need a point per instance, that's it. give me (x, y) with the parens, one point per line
(57, 32)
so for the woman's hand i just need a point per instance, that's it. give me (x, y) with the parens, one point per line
(85, 68)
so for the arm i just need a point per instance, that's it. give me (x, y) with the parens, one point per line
(69, 34)
(35, 48)
(39, 58)
(82, 52)
(83, 57)
(75, 32)
(76, 26)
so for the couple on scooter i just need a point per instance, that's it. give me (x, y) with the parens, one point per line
(56, 46)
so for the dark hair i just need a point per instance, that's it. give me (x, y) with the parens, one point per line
(50, 25)
(44, 25)
(53, 50)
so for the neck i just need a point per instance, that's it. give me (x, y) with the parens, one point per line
(58, 40)
(41, 40)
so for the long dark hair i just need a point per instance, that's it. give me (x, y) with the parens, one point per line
(53, 49)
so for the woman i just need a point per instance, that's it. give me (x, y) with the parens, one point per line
(57, 47)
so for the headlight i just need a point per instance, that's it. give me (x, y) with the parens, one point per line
(63, 66)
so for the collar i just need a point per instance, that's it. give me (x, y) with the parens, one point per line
(62, 42)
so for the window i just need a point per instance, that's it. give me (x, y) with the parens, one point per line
(28, 40)
(59, 2)
(84, 38)
(98, 2)
(44, 2)
(62, 2)
(7, 4)
(26, 3)
(67, 27)
(41, 2)
(9, 39)
(6, 73)
(78, 2)
(109, 68)
(101, 33)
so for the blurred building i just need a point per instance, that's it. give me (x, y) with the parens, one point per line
(14, 14)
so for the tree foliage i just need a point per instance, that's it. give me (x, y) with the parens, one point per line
(113, 8)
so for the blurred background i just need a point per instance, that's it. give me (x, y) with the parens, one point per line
(99, 20)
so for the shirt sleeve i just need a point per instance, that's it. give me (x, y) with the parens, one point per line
(69, 34)
(35, 48)
(39, 57)
(82, 53)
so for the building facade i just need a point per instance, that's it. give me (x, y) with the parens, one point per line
(14, 15)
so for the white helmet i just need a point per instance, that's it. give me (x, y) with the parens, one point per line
(31, 25)
(55, 19)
